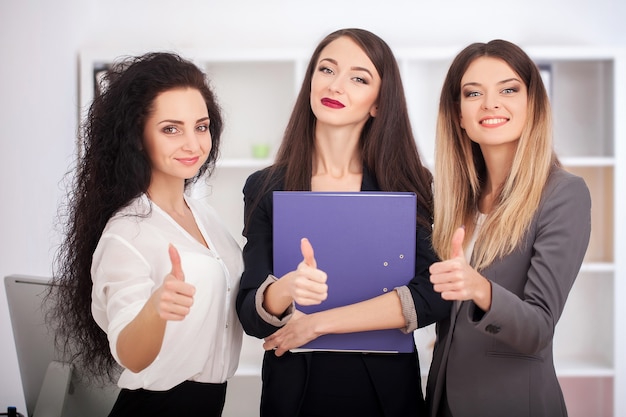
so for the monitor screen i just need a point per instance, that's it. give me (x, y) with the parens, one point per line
(39, 360)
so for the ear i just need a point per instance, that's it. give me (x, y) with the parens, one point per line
(374, 110)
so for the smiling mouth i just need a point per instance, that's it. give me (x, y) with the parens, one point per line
(493, 121)
(188, 161)
(328, 102)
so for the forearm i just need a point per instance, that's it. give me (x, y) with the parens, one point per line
(379, 313)
(140, 341)
(276, 298)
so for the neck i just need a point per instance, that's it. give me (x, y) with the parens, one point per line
(498, 162)
(337, 152)
(170, 199)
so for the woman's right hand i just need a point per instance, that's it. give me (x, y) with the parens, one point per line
(140, 341)
(307, 284)
(173, 300)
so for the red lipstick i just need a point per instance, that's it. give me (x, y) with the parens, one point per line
(333, 104)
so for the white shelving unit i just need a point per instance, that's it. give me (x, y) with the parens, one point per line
(257, 89)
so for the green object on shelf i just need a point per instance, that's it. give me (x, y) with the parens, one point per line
(260, 150)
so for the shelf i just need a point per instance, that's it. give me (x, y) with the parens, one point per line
(583, 368)
(248, 370)
(579, 341)
(581, 161)
(254, 163)
(600, 267)
(601, 182)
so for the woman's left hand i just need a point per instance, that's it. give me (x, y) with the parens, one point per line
(298, 331)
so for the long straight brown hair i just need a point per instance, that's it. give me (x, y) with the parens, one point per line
(387, 144)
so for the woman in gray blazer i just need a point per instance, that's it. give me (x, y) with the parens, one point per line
(525, 225)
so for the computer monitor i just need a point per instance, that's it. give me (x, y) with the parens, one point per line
(50, 386)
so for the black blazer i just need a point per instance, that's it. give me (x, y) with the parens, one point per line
(500, 363)
(396, 376)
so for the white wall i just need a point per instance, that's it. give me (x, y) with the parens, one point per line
(39, 42)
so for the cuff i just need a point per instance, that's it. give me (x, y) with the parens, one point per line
(267, 317)
(408, 309)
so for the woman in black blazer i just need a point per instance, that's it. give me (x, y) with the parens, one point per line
(526, 222)
(349, 131)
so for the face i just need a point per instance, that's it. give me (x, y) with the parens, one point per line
(176, 135)
(493, 103)
(345, 85)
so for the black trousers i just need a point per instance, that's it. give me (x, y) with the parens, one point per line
(327, 384)
(185, 400)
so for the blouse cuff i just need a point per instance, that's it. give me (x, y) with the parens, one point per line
(408, 309)
(267, 317)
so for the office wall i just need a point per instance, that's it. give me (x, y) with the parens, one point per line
(39, 42)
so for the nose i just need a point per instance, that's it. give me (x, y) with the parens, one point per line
(490, 101)
(191, 143)
(336, 85)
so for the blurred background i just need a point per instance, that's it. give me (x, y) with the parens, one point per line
(40, 43)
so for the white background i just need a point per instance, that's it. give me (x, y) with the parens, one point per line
(40, 41)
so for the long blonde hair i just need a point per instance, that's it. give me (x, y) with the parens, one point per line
(460, 169)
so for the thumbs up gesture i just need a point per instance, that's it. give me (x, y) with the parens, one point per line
(308, 284)
(455, 279)
(175, 297)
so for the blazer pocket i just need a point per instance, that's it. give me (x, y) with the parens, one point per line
(513, 355)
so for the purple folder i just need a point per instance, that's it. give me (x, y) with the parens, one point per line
(364, 241)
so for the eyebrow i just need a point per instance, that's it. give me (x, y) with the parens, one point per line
(352, 68)
(180, 122)
(499, 82)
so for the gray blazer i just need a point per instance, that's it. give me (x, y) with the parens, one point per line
(499, 363)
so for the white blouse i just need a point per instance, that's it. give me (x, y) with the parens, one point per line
(130, 263)
(480, 219)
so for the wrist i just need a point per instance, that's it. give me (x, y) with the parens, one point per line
(483, 295)
(276, 299)
(320, 324)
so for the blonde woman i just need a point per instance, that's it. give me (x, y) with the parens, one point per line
(511, 227)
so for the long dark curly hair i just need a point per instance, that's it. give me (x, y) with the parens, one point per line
(111, 171)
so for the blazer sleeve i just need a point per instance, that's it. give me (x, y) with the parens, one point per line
(526, 323)
(257, 255)
(429, 306)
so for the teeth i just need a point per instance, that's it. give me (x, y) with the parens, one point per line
(493, 121)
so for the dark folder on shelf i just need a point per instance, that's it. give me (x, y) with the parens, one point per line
(364, 241)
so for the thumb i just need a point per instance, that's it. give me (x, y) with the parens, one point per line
(457, 242)
(177, 269)
(307, 253)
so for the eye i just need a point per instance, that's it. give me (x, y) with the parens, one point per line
(471, 94)
(170, 130)
(360, 80)
(203, 128)
(325, 70)
(510, 90)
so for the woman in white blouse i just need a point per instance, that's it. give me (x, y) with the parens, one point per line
(147, 276)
